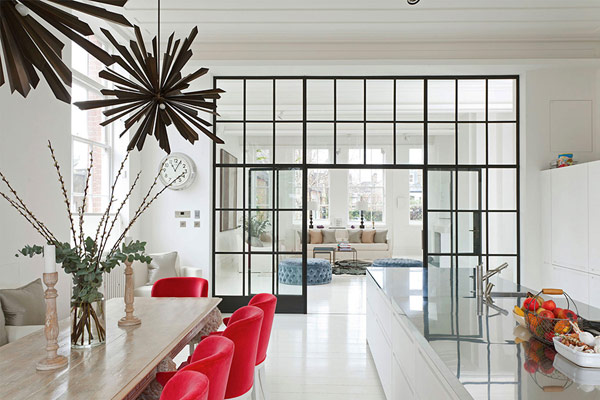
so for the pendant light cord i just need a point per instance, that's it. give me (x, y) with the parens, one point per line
(158, 42)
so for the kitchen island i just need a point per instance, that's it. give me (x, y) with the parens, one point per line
(429, 341)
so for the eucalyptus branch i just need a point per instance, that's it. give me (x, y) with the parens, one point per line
(64, 192)
(16, 206)
(83, 204)
(119, 211)
(20, 203)
(105, 216)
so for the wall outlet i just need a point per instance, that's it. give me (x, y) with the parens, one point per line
(196, 224)
(182, 224)
(182, 214)
(197, 214)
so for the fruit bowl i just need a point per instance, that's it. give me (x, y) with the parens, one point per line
(539, 363)
(545, 323)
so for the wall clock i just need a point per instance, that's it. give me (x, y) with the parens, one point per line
(179, 169)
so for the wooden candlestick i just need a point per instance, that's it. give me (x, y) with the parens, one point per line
(129, 319)
(52, 360)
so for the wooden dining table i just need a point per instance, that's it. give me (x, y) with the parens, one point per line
(119, 369)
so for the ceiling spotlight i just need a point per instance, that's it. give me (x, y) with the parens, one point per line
(412, 2)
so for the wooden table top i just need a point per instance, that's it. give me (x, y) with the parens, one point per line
(122, 366)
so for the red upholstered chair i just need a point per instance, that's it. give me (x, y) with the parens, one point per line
(186, 385)
(244, 330)
(212, 358)
(266, 302)
(180, 287)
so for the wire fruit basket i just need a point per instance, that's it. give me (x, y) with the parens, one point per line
(545, 325)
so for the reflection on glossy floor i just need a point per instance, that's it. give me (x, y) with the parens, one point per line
(321, 357)
(346, 294)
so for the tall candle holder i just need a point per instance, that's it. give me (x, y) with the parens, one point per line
(129, 319)
(52, 360)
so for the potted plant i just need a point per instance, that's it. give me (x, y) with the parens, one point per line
(257, 227)
(87, 258)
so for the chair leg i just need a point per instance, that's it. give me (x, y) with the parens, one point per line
(191, 348)
(260, 383)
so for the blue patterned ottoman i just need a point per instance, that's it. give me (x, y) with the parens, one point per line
(397, 262)
(318, 271)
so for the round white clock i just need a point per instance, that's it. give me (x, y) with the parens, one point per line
(179, 169)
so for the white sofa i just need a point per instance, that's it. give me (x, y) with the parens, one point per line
(140, 275)
(365, 251)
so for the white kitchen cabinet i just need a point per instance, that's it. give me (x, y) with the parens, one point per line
(403, 345)
(594, 216)
(594, 283)
(381, 350)
(574, 282)
(546, 211)
(428, 383)
(570, 217)
(401, 387)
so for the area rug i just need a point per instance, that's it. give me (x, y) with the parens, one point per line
(349, 267)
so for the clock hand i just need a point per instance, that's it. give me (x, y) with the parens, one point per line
(178, 165)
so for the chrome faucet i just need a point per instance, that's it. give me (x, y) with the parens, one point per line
(483, 279)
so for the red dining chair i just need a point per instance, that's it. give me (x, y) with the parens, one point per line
(266, 302)
(212, 358)
(244, 330)
(186, 385)
(180, 286)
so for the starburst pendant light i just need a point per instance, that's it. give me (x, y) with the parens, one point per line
(153, 93)
(28, 47)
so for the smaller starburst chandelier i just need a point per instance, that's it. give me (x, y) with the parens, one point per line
(153, 93)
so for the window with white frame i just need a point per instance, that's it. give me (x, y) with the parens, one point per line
(415, 186)
(88, 136)
(366, 188)
(318, 185)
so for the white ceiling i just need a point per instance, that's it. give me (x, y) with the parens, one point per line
(382, 29)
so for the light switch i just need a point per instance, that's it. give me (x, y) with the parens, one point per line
(196, 224)
(197, 214)
(182, 214)
(182, 224)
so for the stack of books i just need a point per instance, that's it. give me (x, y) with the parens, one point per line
(344, 246)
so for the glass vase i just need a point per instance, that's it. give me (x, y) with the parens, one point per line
(88, 320)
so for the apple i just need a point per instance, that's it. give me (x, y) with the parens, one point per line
(531, 366)
(549, 353)
(549, 305)
(546, 314)
(570, 315)
(558, 312)
(533, 305)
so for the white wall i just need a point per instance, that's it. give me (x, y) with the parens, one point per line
(25, 127)
(540, 87)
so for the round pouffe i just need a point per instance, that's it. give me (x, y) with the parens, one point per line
(318, 271)
(397, 262)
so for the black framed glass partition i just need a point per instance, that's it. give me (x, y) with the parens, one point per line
(456, 138)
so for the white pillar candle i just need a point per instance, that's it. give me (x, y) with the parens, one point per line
(49, 259)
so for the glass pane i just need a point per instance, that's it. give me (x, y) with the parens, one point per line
(471, 144)
(441, 144)
(231, 104)
(350, 100)
(415, 199)
(350, 143)
(441, 100)
(290, 189)
(86, 124)
(502, 144)
(502, 233)
(289, 277)
(261, 267)
(99, 180)
(502, 100)
(229, 233)
(439, 232)
(409, 100)
(259, 231)
(409, 143)
(229, 274)
(229, 191)
(380, 100)
(260, 191)
(319, 99)
(440, 190)
(85, 63)
(502, 189)
(288, 139)
(259, 99)
(468, 262)
(289, 230)
(319, 143)
(259, 143)
(510, 272)
(319, 181)
(366, 190)
(233, 136)
(380, 143)
(471, 100)
(288, 99)
(468, 190)
(465, 239)
(441, 261)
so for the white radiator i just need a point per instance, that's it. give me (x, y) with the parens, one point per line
(114, 282)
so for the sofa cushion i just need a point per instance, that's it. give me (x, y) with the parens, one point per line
(354, 236)
(24, 305)
(329, 236)
(381, 236)
(3, 334)
(162, 266)
(367, 236)
(17, 332)
(316, 236)
(142, 291)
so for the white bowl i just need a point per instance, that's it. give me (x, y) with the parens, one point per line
(588, 360)
(579, 375)
(520, 320)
